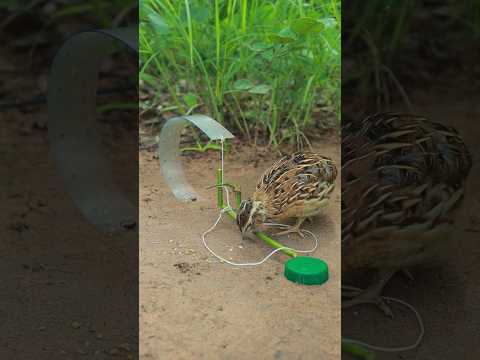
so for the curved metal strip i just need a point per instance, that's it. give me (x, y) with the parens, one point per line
(169, 151)
(73, 136)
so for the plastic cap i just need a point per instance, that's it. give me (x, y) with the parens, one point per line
(306, 270)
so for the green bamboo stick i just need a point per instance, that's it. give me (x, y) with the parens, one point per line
(231, 213)
(358, 351)
(219, 189)
(275, 244)
(238, 198)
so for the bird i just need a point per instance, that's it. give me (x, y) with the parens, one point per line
(403, 181)
(297, 187)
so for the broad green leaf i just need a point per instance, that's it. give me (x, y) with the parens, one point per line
(243, 84)
(329, 22)
(159, 24)
(260, 89)
(260, 46)
(200, 14)
(285, 36)
(190, 99)
(144, 10)
(267, 55)
(306, 25)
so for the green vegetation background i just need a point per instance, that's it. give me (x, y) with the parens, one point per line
(268, 69)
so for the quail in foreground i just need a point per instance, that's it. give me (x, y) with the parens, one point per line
(298, 186)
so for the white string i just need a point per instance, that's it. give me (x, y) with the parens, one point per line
(228, 207)
(390, 349)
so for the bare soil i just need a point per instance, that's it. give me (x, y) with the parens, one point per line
(65, 286)
(194, 307)
(67, 291)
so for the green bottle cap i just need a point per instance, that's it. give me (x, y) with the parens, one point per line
(306, 270)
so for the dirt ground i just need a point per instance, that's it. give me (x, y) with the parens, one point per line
(448, 298)
(194, 307)
(65, 286)
(68, 291)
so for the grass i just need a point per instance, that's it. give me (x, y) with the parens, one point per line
(378, 37)
(262, 68)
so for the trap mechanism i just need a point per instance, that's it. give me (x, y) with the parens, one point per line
(300, 269)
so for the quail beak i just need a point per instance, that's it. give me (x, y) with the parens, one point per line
(244, 232)
(246, 229)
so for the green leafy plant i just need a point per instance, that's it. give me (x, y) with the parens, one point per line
(259, 67)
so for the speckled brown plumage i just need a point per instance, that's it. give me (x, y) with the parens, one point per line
(296, 186)
(403, 178)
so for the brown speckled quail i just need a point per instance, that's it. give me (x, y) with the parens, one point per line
(297, 187)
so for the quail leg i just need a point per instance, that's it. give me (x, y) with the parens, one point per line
(373, 294)
(295, 229)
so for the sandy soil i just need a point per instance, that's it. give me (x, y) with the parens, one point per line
(448, 298)
(194, 307)
(67, 290)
